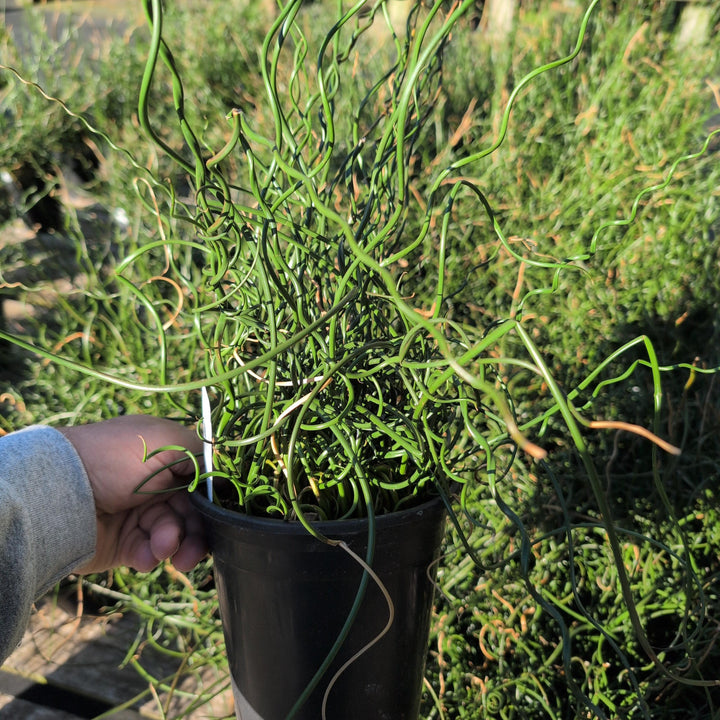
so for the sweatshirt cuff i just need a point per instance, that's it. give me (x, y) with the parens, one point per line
(54, 490)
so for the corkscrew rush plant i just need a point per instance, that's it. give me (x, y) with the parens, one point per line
(371, 347)
(383, 401)
(338, 389)
(281, 267)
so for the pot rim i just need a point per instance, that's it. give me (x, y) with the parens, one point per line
(276, 525)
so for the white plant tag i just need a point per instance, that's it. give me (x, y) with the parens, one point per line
(207, 433)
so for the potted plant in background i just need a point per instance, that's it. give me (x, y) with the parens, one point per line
(343, 394)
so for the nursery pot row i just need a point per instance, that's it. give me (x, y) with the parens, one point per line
(285, 597)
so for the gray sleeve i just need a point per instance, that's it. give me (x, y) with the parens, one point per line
(47, 522)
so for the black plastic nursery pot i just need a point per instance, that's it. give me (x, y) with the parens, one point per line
(284, 599)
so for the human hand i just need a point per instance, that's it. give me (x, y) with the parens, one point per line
(138, 529)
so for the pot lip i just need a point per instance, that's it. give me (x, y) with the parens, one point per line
(211, 511)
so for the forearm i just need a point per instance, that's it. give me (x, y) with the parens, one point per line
(47, 522)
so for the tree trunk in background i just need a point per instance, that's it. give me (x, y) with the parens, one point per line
(497, 20)
(693, 26)
(398, 10)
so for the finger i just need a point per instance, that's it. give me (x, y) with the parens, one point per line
(136, 551)
(192, 550)
(141, 552)
(164, 527)
(180, 502)
(193, 546)
(175, 531)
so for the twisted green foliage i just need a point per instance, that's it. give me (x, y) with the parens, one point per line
(329, 382)
(335, 395)
(337, 392)
(334, 392)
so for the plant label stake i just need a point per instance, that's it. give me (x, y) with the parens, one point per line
(207, 434)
